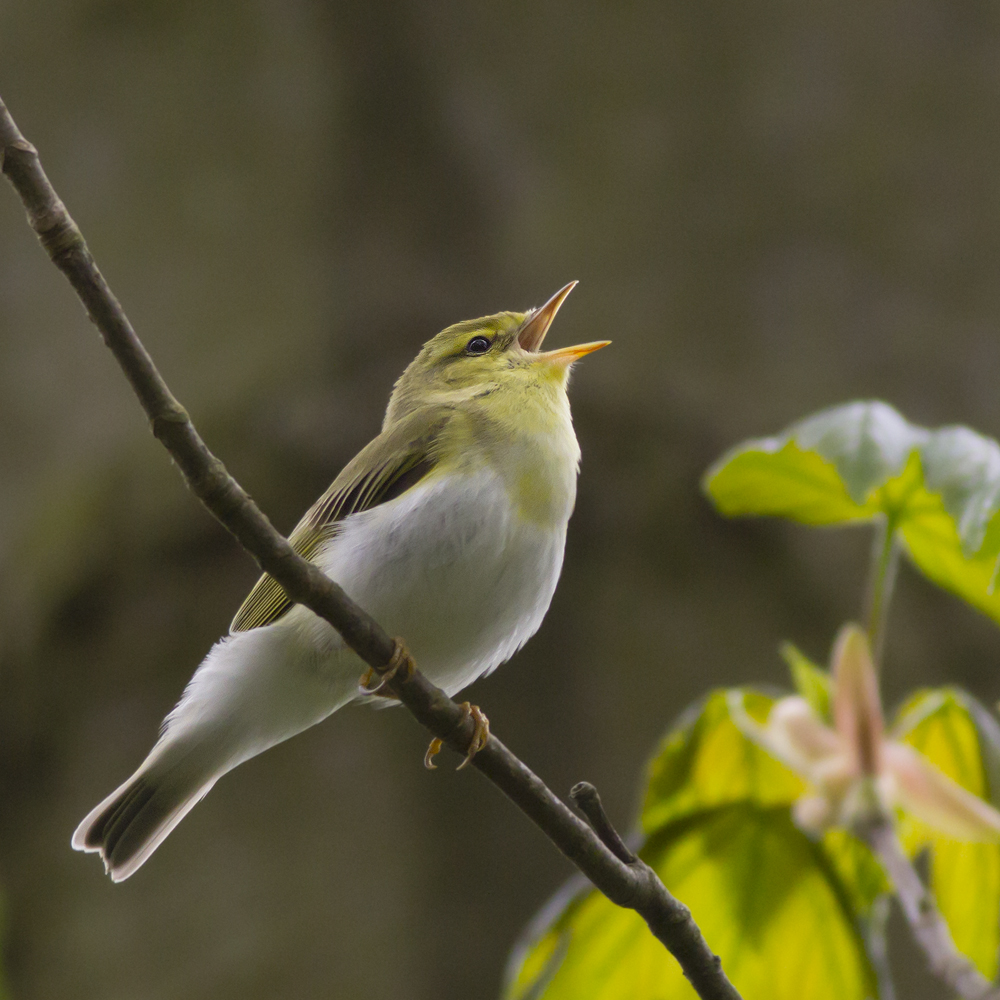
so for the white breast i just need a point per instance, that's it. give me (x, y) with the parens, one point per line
(452, 569)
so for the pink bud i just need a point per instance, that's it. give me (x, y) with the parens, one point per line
(798, 733)
(932, 797)
(857, 711)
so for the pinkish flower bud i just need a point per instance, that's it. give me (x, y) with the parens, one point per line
(798, 733)
(932, 797)
(852, 768)
(857, 710)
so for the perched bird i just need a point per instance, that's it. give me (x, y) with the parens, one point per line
(449, 528)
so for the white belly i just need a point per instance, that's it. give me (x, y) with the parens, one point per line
(454, 572)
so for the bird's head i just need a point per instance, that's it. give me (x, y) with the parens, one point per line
(480, 356)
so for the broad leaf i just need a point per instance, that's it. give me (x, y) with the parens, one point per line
(960, 737)
(706, 762)
(934, 547)
(940, 490)
(810, 680)
(781, 910)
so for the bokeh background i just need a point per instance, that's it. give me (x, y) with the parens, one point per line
(770, 208)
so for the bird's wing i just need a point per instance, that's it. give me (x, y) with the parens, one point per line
(388, 466)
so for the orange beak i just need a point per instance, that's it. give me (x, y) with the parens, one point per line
(537, 325)
(567, 355)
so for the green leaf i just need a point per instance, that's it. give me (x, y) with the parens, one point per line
(706, 762)
(781, 910)
(810, 680)
(940, 490)
(868, 442)
(958, 735)
(861, 876)
(778, 478)
(932, 543)
(964, 468)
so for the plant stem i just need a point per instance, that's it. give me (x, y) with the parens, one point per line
(878, 950)
(634, 885)
(928, 926)
(881, 580)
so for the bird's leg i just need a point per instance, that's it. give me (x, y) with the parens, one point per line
(401, 660)
(480, 736)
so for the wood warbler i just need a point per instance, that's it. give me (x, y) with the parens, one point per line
(448, 528)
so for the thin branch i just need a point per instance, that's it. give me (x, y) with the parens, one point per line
(635, 886)
(928, 926)
(584, 794)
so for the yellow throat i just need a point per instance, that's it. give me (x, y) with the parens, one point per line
(506, 405)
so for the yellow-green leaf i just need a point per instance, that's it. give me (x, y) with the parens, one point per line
(762, 895)
(965, 878)
(932, 543)
(939, 490)
(706, 762)
(776, 477)
(783, 912)
(810, 680)
(861, 876)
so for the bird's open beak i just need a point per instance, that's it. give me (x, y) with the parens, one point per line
(533, 332)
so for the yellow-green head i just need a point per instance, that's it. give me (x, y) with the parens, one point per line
(478, 356)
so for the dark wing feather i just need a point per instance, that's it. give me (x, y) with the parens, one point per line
(386, 468)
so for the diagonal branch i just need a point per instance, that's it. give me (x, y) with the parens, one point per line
(634, 885)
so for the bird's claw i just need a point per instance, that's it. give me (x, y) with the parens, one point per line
(480, 736)
(401, 660)
(480, 731)
(433, 749)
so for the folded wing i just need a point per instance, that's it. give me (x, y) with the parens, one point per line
(391, 464)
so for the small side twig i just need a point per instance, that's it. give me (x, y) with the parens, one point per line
(635, 886)
(668, 918)
(928, 926)
(584, 794)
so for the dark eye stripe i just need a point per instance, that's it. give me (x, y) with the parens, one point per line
(478, 345)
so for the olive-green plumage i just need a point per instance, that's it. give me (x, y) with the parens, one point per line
(448, 408)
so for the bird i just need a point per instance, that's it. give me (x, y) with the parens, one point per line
(449, 528)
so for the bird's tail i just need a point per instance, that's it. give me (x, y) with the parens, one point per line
(136, 817)
(253, 690)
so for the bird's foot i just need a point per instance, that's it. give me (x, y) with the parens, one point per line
(480, 732)
(373, 682)
(480, 737)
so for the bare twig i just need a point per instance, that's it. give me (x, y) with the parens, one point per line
(589, 803)
(635, 886)
(928, 926)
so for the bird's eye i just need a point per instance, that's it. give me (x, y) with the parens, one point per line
(478, 345)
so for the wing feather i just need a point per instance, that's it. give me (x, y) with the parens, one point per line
(391, 464)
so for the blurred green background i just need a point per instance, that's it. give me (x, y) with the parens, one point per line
(770, 208)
